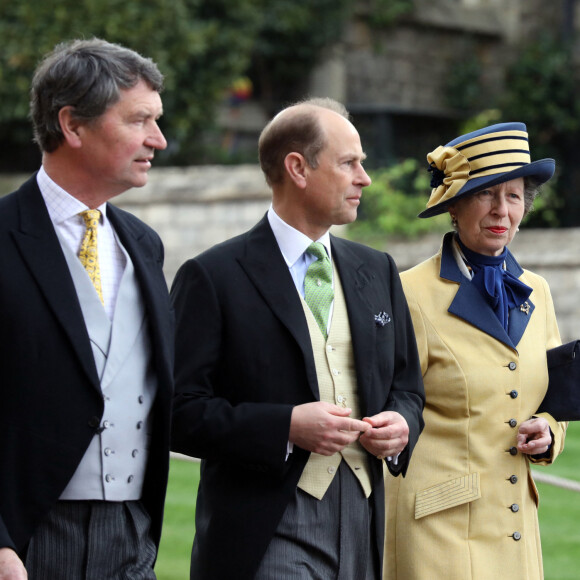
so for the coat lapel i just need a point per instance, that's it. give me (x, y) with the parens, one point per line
(265, 266)
(147, 260)
(41, 251)
(471, 306)
(355, 282)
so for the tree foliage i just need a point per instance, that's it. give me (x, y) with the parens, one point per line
(291, 39)
(199, 45)
(389, 206)
(542, 91)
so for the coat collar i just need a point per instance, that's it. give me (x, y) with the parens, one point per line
(470, 305)
(357, 284)
(263, 262)
(41, 250)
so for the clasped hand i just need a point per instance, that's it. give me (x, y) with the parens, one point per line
(326, 429)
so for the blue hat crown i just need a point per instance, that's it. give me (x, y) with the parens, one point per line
(481, 159)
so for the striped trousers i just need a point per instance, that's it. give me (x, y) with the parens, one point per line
(328, 539)
(92, 540)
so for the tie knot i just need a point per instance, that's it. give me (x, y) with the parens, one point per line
(91, 217)
(318, 250)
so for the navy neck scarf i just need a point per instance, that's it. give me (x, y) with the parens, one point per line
(501, 289)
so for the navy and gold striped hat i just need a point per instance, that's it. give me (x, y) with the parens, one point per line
(486, 157)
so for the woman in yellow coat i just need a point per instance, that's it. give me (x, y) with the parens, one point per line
(467, 508)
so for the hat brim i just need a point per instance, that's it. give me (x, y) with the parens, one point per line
(541, 170)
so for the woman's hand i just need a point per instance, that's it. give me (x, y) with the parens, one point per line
(534, 436)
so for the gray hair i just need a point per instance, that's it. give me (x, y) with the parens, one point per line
(300, 132)
(531, 191)
(87, 75)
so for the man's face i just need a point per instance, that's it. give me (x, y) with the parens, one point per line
(117, 148)
(334, 188)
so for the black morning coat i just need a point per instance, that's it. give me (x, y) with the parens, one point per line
(50, 399)
(244, 359)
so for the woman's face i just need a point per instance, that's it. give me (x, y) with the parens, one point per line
(488, 220)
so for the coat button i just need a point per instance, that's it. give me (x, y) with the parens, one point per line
(514, 479)
(139, 424)
(94, 422)
(134, 452)
(130, 479)
(109, 478)
(140, 399)
(514, 394)
(512, 422)
(108, 451)
(512, 366)
(331, 470)
(513, 450)
(515, 507)
(516, 536)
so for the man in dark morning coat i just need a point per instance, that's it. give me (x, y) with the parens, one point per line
(294, 428)
(86, 378)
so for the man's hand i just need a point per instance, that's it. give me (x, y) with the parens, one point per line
(534, 436)
(389, 434)
(324, 428)
(11, 566)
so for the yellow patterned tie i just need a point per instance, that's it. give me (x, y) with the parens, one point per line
(88, 254)
(318, 291)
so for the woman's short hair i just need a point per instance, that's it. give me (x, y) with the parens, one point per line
(87, 75)
(531, 190)
(300, 132)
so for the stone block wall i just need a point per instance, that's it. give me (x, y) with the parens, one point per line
(194, 208)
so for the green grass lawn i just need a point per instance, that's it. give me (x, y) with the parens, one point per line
(179, 525)
(560, 514)
(559, 518)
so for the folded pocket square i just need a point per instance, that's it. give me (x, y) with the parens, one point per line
(382, 318)
(562, 399)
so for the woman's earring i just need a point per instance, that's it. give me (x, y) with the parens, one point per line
(453, 221)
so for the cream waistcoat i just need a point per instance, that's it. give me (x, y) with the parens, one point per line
(337, 384)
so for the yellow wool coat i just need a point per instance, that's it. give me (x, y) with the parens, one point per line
(467, 508)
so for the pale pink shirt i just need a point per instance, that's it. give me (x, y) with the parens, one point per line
(64, 210)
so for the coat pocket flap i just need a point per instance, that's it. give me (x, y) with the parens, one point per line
(447, 495)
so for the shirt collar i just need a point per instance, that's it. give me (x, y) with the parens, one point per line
(292, 242)
(61, 205)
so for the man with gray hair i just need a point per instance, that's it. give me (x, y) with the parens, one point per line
(86, 340)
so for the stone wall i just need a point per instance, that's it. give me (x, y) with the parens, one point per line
(407, 67)
(197, 207)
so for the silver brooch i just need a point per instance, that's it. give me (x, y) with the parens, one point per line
(525, 308)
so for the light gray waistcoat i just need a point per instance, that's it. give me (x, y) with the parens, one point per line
(113, 466)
